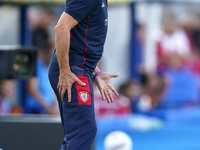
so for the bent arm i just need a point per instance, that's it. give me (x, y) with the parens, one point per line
(62, 41)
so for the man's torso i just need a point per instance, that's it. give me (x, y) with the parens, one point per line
(88, 37)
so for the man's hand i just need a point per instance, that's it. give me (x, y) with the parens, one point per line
(104, 85)
(66, 80)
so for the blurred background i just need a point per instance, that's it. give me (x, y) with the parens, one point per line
(154, 44)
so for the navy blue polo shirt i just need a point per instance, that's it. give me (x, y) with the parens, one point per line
(88, 37)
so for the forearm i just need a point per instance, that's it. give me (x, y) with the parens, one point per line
(62, 40)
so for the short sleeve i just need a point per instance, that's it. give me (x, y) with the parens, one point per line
(79, 9)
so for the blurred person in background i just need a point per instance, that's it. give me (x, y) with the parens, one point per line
(130, 89)
(41, 19)
(6, 91)
(40, 98)
(172, 40)
(153, 87)
(193, 29)
(182, 85)
(174, 53)
(145, 94)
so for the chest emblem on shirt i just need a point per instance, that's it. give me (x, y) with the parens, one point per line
(103, 5)
(84, 96)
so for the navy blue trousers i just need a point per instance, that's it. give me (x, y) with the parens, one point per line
(78, 118)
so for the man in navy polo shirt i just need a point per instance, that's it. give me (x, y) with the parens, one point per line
(80, 36)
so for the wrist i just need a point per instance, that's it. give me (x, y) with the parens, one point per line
(96, 70)
(97, 74)
(65, 70)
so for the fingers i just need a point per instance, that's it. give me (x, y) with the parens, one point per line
(110, 97)
(115, 75)
(80, 82)
(113, 90)
(62, 93)
(59, 89)
(65, 84)
(102, 94)
(62, 90)
(107, 95)
(69, 95)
